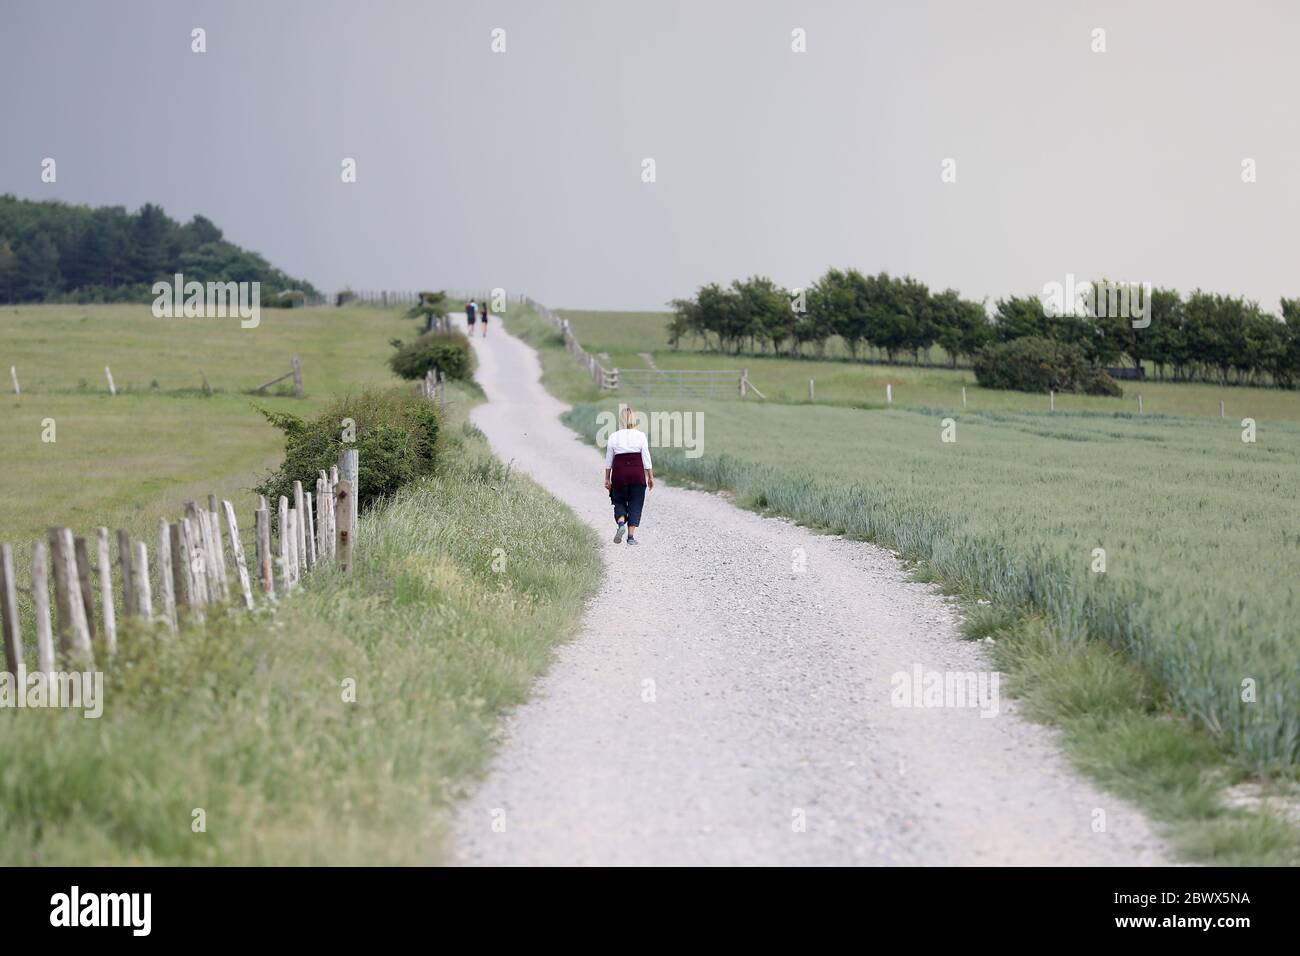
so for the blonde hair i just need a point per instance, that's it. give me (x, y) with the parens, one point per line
(627, 417)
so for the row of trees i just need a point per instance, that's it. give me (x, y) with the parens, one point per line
(52, 250)
(1205, 336)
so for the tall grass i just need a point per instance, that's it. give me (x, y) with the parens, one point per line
(463, 586)
(1201, 532)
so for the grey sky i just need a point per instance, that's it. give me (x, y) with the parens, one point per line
(523, 169)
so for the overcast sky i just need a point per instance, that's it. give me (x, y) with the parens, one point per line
(523, 169)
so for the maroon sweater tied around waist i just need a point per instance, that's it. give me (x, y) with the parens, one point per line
(627, 470)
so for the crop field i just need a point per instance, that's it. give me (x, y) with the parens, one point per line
(1200, 531)
(623, 336)
(163, 439)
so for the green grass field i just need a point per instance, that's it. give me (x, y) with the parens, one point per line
(129, 459)
(624, 335)
(462, 588)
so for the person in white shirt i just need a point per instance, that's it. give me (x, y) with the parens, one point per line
(629, 473)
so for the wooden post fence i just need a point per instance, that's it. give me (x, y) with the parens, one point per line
(190, 569)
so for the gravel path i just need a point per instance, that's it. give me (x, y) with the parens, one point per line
(717, 698)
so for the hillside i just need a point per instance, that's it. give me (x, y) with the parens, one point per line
(53, 251)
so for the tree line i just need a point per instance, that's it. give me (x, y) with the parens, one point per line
(53, 251)
(1203, 337)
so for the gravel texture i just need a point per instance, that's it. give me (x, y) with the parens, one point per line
(717, 697)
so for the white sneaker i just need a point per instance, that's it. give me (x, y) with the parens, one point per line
(618, 535)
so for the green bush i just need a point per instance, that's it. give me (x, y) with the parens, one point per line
(446, 351)
(1033, 364)
(397, 439)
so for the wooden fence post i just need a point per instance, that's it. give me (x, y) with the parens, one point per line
(13, 377)
(327, 513)
(282, 538)
(180, 566)
(166, 596)
(84, 585)
(297, 377)
(295, 553)
(198, 556)
(73, 635)
(106, 608)
(812, 390)
(112, 389)
(218, 546)
(349, 468)
(195, 577)
(13, 638)
(343, 508)
(300, 531)
(237, 549)
(41, 605)
(963, 396)
(140, 568)
(262, 524)
(321, 525)
(124, 563)
(212, 557)
(310, 505)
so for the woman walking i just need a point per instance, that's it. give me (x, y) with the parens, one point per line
(484, 317)
(628, 474)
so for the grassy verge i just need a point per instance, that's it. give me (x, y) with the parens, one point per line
(335, 729)
(1142, 667)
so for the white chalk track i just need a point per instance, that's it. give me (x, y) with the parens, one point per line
(771, 700)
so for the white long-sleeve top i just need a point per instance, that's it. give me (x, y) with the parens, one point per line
(625, 441)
